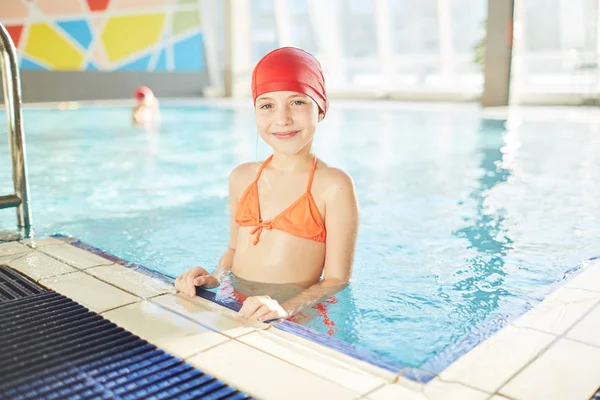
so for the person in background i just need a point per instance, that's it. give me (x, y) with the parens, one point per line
(147, 108)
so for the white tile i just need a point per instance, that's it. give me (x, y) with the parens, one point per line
(304, 357)
(386, 375)
(6, 260)
(12, 248)
(130, 280)
(264, 376)
(588, 329)
(559, 311)
(434, 390)
(209, 314)
(38, 265)
(165, 329)
(568, 370)
(74, 256)
(489, 365)
(588, 279)
(37, 242)
(88, 291)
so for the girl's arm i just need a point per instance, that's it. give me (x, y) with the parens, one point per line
(198, 276)
(226, 261)
(341, 222)
(237, 181)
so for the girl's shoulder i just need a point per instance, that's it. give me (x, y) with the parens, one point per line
(331, 174)
(242, 175)
(245, 170)
(332, 179)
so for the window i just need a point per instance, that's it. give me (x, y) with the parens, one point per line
(430, 44)
(555, 46)
(415, 27)
(264, 29)
(358, 35)
(302, 35)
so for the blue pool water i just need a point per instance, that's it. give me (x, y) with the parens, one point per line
(464, 223)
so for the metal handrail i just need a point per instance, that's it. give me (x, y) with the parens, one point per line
(11, 84)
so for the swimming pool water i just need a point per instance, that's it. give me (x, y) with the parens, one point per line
(464, 222)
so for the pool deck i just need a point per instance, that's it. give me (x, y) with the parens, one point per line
(551, 352)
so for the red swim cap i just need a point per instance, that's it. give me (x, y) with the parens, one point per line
(142, 92)
(289, 68)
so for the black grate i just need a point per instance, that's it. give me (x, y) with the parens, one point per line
(14, 286)
(54, 348)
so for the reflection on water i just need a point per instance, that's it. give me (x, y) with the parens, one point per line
(480, 282)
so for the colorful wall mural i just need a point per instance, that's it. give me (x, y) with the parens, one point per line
(106, 35)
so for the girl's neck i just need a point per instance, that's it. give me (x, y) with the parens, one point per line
(300, 161)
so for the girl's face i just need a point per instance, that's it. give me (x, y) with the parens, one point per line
(287, 121)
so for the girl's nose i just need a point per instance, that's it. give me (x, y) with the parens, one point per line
(282, 116)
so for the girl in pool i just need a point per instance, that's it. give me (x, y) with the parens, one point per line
(294, 219)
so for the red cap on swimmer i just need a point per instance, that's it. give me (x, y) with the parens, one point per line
(142, 92)
(289, 68)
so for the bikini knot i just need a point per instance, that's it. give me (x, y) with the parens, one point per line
(258, 230)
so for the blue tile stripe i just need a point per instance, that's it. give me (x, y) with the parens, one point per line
(454, 351)
(341, 346)
(117, 260)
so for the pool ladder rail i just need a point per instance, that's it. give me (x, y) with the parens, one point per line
(11, 84)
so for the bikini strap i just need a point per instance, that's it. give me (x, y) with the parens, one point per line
(312, 174)
(262, 167)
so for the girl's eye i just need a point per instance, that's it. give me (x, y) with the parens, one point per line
(298, 102)
(266, 106)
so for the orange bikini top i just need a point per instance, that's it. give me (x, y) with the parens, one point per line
(302, 218)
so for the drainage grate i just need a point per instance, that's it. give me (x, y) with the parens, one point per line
(14, 286)
(54, 348)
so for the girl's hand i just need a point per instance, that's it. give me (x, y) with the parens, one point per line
(197, 276)
(262, 308)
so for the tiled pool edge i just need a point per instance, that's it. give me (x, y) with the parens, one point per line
(422, 376)
(524, 351)
(117, 260)
(314, 336)
(284, 359)
(486, 330)
(290, 327)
